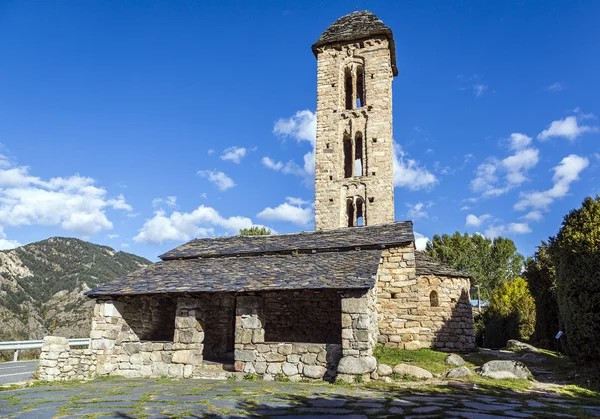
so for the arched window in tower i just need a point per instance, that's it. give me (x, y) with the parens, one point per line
(358, 155)
(350, 212)
(360, 212)
(360, 87)
(348, 160)
(433, 299)
(348, 88)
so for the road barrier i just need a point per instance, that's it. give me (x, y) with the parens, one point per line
(36, 344)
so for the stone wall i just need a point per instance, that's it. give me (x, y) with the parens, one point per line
(120, 351)
(406, 318)
(372, 122)
(59, 362)
(450, 324)
(306, 360)
(302, 316)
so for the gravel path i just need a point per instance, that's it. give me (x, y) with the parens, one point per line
(161, 398)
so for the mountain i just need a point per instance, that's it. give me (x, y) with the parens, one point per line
(42, 286)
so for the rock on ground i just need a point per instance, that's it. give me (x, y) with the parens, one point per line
(522, 346)
(384, 370)
(454, 359)
(357, 365)
(458, 372)
(504, 369)
(412, 370)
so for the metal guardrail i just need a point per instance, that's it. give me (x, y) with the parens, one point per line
(36, 344)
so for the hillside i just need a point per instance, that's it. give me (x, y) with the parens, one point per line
(42, 286)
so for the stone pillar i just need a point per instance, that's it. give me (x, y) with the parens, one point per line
(188, 342)
(249, 330)
(359, 334)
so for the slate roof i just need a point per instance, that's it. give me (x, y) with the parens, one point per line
(328, 240)
(426, 265)
(354, 269)
(357, 25)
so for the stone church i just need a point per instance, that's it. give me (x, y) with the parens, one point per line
(304, 305)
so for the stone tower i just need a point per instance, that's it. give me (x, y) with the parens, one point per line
(356, 63)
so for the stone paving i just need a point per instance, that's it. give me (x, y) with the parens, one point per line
(161, 398)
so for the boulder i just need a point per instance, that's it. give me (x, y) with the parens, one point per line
(314, 371)
(504, 369)
(412, 371)
(458, 372)
(357, 365)
(384, 370)
(514, 344)
(454, 359)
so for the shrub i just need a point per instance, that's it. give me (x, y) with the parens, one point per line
(541, 278)
(511, 313)
(576, 255)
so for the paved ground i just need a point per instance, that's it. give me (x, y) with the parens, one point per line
(134, 398)
(14, 372)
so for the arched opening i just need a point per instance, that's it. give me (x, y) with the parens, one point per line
(348, 88)
(360, 88)
(433, 299)
(350, 212)
(358, 155)
(360, 212)
(347, 156)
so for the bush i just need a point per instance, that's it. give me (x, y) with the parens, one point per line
(510, 315)
(576, 255)
(541, 278)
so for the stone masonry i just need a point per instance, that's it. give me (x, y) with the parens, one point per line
(407, 319)
(368, 128)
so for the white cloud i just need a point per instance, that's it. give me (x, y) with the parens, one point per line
(291, 211)
(234, 154)
(494, 231)
(519, 141)
(183, 226)
(124, 245)
(513, 169)
(220, 179)
(479, 89)
(210, 151)
(73, 203)
(289, 168)
(6, 244)
(119, 203)
(568, 128)
(169, 201)
(519, 228)
(408, 174)
(582, 115)
(556, 87)
(565, 173)
(113, 236)
(534, 215)
(474, 221)
(297, 201)
(417, 211)
(420, 241)
(302, 126)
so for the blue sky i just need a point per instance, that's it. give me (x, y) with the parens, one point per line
(141, 125)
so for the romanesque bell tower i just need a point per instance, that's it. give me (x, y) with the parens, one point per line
(356, 62)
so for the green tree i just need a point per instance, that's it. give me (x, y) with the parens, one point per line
(541, 278)
(510, 314)
(255, 231)
(576, 255)
(490, 262)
